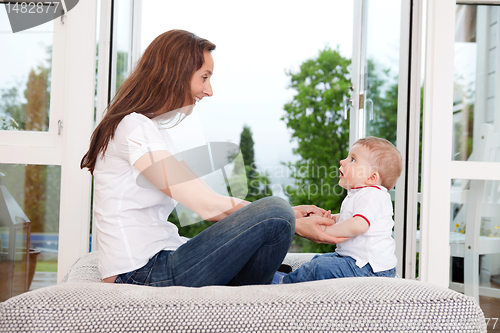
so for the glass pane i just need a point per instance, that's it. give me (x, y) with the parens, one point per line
(475, 204)
(476, 80)
(283, 81)
(25, 64)
(475, 213)
(381, 68)
(28, 193)
(122, 60)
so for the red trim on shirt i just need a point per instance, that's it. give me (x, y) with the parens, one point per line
(369, 224)
(357, 188)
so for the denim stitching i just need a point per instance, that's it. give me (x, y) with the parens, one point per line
(151, 271)
(148, 277)
(188, 270)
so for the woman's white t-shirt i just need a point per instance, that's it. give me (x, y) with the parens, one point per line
(131, 220)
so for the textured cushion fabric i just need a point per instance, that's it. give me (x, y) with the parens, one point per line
(341, 305)
(295, 260)
(84, 270)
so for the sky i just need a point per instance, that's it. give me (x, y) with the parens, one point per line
(26, 50)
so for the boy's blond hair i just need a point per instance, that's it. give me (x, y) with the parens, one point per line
(385, 158)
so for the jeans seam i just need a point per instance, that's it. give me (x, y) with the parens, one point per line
(161, 281)
(353, 266)
(151, 269)
(186, 271)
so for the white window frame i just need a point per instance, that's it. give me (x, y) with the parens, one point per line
(78, 121)
(42, 148)
(408, 136)
(434, 256)
(71, 120)
(438, 169)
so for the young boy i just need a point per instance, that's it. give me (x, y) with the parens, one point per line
(371, 169)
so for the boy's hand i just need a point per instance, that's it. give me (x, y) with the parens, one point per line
(308, 210)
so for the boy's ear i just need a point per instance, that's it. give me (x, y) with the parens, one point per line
(373, 179)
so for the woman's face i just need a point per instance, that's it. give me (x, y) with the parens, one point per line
(200, 82)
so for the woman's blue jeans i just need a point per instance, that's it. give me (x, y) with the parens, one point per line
(332, 266)
(247, 247)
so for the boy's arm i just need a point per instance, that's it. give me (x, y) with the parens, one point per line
(351, 227)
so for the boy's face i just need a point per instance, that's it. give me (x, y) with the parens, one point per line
(356, 170)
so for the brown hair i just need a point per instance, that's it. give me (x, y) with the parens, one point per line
(385, 158)
(159, 83)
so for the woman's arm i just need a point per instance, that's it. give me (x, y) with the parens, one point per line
(180, 183)
(312, 228)
(306, 210)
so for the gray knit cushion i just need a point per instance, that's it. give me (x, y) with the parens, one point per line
(295, 260)
(84, 270)
(341, 305)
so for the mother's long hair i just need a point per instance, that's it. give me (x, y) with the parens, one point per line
(160, 83)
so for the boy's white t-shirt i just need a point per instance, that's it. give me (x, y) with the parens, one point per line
(376, 246)
(131, 220)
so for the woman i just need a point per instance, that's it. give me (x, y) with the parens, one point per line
(137, 244)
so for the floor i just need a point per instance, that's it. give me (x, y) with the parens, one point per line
(491, 309)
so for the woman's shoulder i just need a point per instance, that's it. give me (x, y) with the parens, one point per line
(134, 121)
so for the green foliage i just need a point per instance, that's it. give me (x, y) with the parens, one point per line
(257, 182)
(11, 110)
(246, 145)
(122, 70)
(316, 117)
(191, 230)
(385, 104)
(46, 266)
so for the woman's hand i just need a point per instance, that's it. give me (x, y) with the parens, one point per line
(307, 210)
(311, 227)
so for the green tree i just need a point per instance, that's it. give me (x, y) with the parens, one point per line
(257, 182)
(11, 110)
(35, 175)
(382, 122)
(316, 117)
(191, 230)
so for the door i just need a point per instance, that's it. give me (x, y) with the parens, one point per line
(460, 204)
(385, 101)
(31, 120)
(46, 106)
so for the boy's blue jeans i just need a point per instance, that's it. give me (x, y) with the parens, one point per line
(247, 247)
(331, 266)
